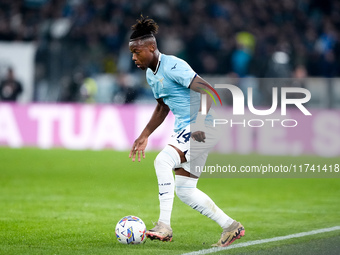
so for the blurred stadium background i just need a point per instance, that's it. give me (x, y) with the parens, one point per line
(76, 51)
(68, 41)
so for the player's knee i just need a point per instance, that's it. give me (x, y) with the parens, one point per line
(183, 193)
(162, 160)
(185, 187)
(158, 160)
(167, 158)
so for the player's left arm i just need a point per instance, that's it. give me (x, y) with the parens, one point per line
(199, 85)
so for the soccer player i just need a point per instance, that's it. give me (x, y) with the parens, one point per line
(177, 88)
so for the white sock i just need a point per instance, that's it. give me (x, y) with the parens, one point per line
(165, 161)
(187, 192)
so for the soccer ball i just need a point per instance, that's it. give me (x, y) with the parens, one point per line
(130, 230)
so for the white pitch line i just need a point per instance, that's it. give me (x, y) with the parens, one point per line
(274, 239)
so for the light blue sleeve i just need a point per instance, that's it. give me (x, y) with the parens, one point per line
(180, 71)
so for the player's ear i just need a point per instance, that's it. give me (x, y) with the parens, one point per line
(152, 47)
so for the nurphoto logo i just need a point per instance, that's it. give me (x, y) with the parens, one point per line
(239, 105)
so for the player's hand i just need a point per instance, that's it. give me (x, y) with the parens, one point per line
(138, 148)
(198, 136)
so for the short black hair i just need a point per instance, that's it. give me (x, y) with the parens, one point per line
(144, 28)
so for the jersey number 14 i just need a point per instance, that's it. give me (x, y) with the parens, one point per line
(183, 137)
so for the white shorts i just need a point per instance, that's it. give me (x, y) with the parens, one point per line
(196, 153)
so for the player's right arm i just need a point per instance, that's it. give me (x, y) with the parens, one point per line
(157, 118)
(200, 85)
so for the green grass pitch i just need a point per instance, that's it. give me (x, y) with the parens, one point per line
(68, 202)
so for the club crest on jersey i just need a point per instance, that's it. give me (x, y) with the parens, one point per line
(161, 81)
